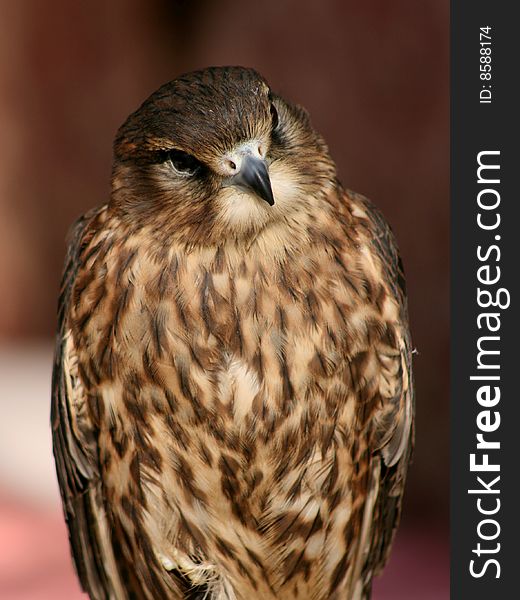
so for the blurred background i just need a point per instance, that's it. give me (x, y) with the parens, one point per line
(374, 77)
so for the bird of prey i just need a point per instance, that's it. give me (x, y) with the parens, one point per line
(232, 407)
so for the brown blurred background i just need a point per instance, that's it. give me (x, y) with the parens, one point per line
(374, 77)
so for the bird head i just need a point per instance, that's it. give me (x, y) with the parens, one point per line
(216, 154)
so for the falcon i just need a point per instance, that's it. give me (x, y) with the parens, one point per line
(232, 407)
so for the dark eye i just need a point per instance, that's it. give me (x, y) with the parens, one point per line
(183, 163)
(274, 116)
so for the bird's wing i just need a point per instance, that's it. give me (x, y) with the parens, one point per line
(393, 421)
(75, 447)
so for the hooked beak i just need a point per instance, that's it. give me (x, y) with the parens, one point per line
(254, 176)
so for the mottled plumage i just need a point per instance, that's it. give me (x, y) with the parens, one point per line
(233, 404)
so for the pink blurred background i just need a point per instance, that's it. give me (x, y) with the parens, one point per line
(374, 77)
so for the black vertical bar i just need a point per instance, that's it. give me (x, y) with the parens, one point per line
(484, 120)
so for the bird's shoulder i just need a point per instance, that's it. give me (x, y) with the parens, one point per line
(377, 234)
